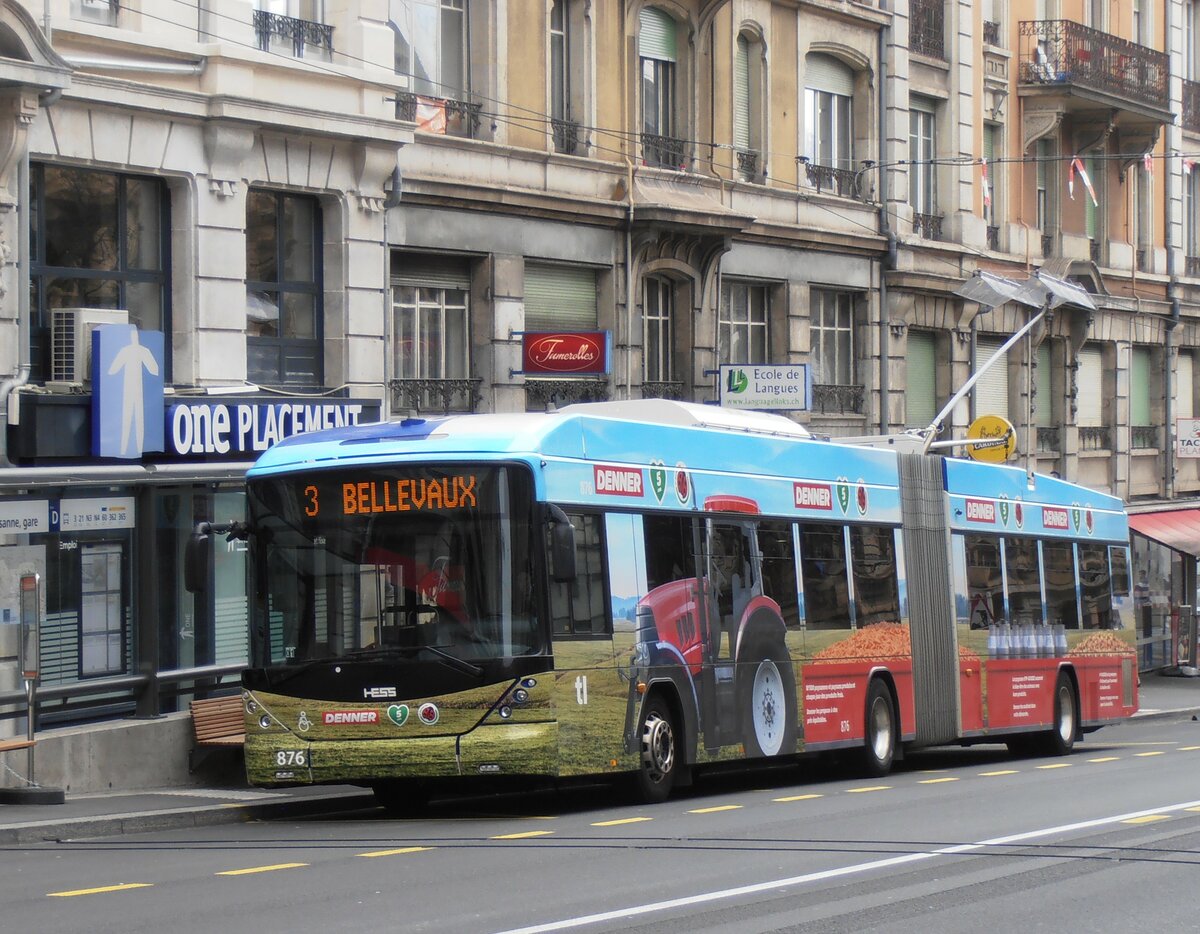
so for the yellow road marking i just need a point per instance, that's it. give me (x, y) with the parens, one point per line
(854, 791)
(799, 797)
(935, 781)
(525, 835)
(253, 869)
(620, 820)
(714, 810)
(1105, 759)
(1141, 755)
(1188, 748)
(1001, 772)
(1148, 819)
(103, 888)
(399, 852)
(1197, 810)
(1056, 765)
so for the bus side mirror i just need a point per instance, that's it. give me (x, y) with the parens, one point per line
(197, 555)
(562, 546)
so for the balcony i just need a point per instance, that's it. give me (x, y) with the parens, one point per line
(439, 114)
(566, 136)
(834, 399)
(1143, 437)
(991, 33)
(928, 226)
(993, 238)
(1048, 441)
(436, 395)
(1078, 69)
(663, 389)
(747, 164)
(278, 33)
(540, 394)
(843, 182)
(927, 28)
(1190, 118)
(664, 152)
(1095, 438)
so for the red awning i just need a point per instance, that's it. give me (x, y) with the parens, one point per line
(1176, 528)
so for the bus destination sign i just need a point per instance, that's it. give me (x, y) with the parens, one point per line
(407, 494)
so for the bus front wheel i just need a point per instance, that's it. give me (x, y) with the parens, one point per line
(879, 748)
(659, 751)
(768, 702)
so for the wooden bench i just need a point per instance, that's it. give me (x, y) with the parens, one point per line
(217, 722)
(15, 743)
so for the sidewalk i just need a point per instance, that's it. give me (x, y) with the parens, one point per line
(121, 812)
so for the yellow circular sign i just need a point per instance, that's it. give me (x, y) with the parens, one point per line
(996, 439)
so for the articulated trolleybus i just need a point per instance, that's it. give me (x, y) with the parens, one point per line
(646, 587)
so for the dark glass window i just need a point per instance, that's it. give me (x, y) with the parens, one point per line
(873, 549)
(670, 550)
(577, 608)
(97, 240)
(1061, 602)
(823, 567)
(985, 585)
(1095, 587)
(1024, 580)
(779, 569)
(283, 290)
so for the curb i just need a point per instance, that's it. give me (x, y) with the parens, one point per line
(208, 815)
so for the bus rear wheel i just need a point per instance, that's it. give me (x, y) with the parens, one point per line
(879, 748)
(659, 752)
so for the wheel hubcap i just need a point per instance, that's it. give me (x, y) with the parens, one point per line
(1066, 719)
(881, 729)
(658, 748)
(765, 698)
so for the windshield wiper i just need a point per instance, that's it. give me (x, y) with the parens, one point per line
(409, 650)
(453, 660)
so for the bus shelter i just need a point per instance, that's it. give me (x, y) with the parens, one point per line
(1166, 546)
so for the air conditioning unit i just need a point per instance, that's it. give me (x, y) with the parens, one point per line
(71, 342)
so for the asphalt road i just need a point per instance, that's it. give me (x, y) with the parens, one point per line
(954, 840)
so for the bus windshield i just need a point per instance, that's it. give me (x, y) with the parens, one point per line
(371, 562)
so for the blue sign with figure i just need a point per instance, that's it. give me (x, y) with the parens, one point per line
(127, 391)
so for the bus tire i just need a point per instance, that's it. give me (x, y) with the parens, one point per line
(402, 798)
(767, 698)
(879, 736)
(659, 751)
(1060, 740)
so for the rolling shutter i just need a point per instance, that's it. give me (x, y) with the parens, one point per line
(559, 298)
(1139, 388)
(431, 271)
(920, 395)
(656, 35)
(991, 391)
(1044, 415)
(826, 73)
(741, 95)
(1184, 387)
(1090, 386)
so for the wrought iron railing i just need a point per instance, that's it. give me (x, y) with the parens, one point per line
(662, 389)
(566, 136)
(928, 226)
(1095, 438)
(844, 182)
(747, 164)
(462, 117)
(927, 27)
(664, 152)
(302, 32)
(993, 237)
(541, 393)
(1094, 251)
(838, 399)
(1190, 117)
(1141, 258)
(1047, 245)
(1191, 266)
(436, 395)
(1049, 440)
(991, 33)
(1143, 436)
(1064, 52)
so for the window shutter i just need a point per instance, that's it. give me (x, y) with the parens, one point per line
(991, 391)
(920, 396)
(1139, 387)
(1184, 387)
(431, 271)
(741, 95)
(656, 35)
(559, 298)
(1044, 414)
(1090, 385)
(826, 73)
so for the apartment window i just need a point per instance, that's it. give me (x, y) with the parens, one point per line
(1089, 399)
(1141, 381)
(832, 337)
(920, 387)
(1191, 31)
(1191, 220)
(97, 240)
(1043, 403)
(742, 334)
(658, 331)
(922, 172)
(283, 290)
(103, 12)
(431, 42)
(992, 208)
(828, 112)
(748, 107)
(1185, 385)
(657, 52)
(430, 304)
(991, 389)
(1143, 203)
(1094, 216)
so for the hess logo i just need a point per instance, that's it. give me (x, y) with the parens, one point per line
(379, 693)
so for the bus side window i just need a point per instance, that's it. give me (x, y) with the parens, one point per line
(670, 551)
(779, 569)
(873, 550)
(1024, 580)
(577, 607)
(1095, 587)
(985, 586)
(1059, 561)
(823, 567)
